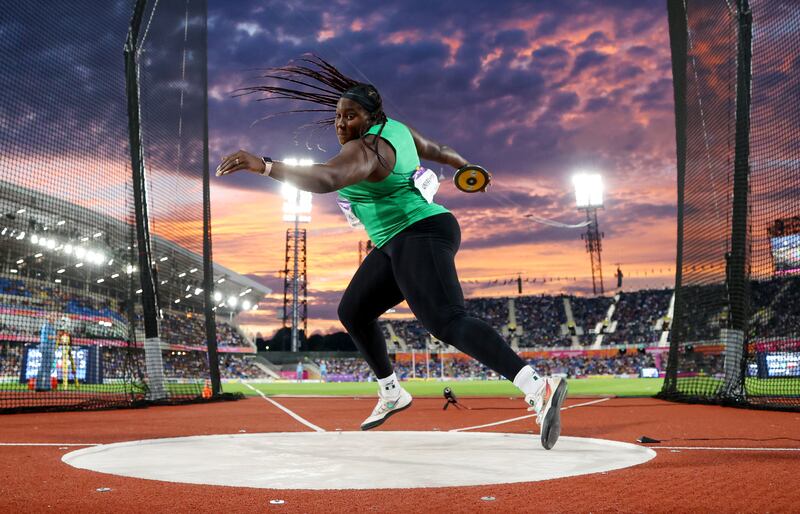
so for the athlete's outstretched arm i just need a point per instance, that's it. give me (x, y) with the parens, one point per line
(433, 151)
(353, 164)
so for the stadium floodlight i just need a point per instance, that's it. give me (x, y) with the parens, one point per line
(255, 307)
(34, 239)
(181, 275)
(62, 222)
(51, 244)
(130, 269)
(90, 256)
(115, 275)
(20, 211)
(37, 255)
(62, 270)
(21, 236)
(79, 265)
(163, 259)
(80, 252)
(188, 295)
(84, 239)
(100, 280)
(58, 281)
(20, 261)
(217, 296)
(588, 190)
(12, 270)
(97, 234)
(43, 241)
(232, 301)
(68, 249)
(246, 305)
(5, 229)
(297, 205)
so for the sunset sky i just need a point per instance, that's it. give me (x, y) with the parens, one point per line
(533, 91)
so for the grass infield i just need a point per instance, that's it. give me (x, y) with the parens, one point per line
(579, 387)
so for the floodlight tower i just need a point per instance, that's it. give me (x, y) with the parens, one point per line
(364, 247)
(589, 198)
(296, 209)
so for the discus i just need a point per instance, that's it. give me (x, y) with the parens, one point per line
(472, 178)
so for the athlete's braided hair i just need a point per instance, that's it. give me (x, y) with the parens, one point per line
(332, 85)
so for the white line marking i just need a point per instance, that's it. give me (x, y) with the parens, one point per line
(525, 417)
(723, 448)
(307, 423)
(50, 444)
(601, 400)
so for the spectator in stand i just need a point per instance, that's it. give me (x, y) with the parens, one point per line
(323, 371)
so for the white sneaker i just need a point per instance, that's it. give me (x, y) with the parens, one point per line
(547, 404)
(386, 408)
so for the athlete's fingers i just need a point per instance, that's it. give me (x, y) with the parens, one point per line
(228, 163)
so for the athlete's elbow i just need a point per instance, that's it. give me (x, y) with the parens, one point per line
(327, 183)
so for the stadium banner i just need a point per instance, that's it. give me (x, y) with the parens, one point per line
(341, 377)
(542, 354)
(220, 348)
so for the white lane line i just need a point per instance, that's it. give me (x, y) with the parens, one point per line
(601, 400)
(50, 444)
(723, 448)
(307, 423)
(503, 422)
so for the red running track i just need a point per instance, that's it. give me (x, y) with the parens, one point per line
(33, 478)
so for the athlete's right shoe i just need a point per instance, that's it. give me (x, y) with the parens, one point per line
(386, 408)
(547, 404)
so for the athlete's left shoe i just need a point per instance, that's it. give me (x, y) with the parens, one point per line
(547, 404)
(386, 408)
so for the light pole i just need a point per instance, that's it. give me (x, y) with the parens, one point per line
(296, 209)
(589, 198)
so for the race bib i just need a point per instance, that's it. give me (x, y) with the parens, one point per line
(349, 215)
(426, 182)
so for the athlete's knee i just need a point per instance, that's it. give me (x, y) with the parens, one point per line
(444, 326)
(347, 314)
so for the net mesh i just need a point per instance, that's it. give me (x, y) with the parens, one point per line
(70, 302)
(735, 333)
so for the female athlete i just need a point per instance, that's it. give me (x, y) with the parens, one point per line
(381, 185)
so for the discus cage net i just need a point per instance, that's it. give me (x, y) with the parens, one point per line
(105, 245)
(735, 335)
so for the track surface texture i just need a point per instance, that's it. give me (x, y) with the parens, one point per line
(744, 477)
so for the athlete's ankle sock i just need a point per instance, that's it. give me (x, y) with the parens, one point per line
(389, 386)
(528, 381)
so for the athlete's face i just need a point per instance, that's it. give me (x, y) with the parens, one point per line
(351, 118)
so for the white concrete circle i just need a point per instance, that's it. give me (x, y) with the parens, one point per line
(357, 460)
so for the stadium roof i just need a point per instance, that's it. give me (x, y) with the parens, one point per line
(26, 212)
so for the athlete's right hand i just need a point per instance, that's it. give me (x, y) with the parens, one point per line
(238, 161)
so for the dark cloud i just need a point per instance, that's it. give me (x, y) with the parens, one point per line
(597, 103)
(586, 60)
(594, 39)
(640, 52)
(657, 96)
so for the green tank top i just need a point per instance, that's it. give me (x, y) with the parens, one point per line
(387, 207)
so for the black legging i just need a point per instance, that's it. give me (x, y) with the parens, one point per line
(418, 265)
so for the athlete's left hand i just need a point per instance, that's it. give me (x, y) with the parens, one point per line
(238, 161)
